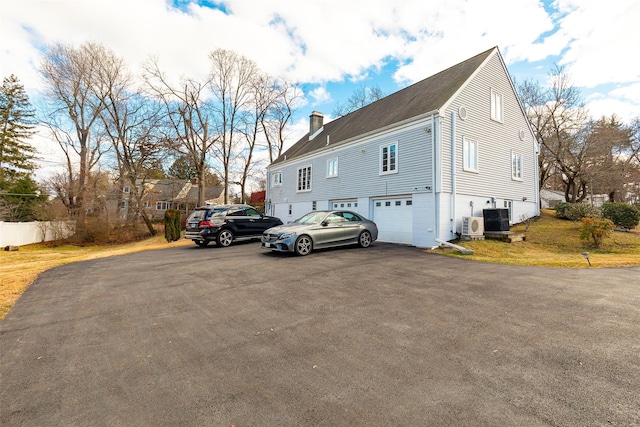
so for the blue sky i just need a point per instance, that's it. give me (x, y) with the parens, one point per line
(333, 47)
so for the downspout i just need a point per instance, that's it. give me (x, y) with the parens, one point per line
(453, 174)
(436, 216)
(536, 154)
(267, 194)
(463, 251)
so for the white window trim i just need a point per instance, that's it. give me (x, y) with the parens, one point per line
(497, 96)
(276, 179)
(465, 148)
(516, 173)
(332, 173)
(381, 165)
(309, 180)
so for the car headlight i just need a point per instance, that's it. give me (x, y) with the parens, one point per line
(289, 235)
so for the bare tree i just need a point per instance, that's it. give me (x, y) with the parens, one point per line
(262, 95)
(278, 116)
(70, 76)
(360, 97)
(232, 84)
(189, 116)
(559, 121)
(613, 157)
(131, 123)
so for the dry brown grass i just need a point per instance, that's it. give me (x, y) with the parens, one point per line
(20, 268)
(551, 242)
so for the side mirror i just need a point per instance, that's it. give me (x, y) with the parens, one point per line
(324, 223)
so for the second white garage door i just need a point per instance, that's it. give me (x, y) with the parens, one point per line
(394, 218)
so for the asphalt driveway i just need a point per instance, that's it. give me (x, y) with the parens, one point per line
(384, 336)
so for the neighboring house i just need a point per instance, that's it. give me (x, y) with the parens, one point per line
(162, 194)
(549, 199)
(257, 197)
(418, 160)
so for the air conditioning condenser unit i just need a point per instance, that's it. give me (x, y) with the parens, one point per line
(472, 226)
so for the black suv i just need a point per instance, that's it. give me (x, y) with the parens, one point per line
(226, 223)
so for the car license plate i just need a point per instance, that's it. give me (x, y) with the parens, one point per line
(267, 244)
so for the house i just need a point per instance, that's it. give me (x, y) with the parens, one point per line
(420, 160)
(549, 199)
(158, 195)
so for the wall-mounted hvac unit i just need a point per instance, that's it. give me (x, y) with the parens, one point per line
(472, 226)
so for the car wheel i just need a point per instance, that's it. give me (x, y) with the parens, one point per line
(365, 239)
(225, 237)
(201, 243)
(304, 245)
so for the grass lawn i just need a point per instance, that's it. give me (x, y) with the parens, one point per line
(550, 242)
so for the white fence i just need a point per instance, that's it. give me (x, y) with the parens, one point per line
(26, 233)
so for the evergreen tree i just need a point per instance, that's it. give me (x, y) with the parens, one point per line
(16, 127)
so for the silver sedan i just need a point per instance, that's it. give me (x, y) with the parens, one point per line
(321, 229)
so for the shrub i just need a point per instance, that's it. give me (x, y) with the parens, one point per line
(577, 211)
(596, 229)
(172, 225)
(561, 209)
(623, 215)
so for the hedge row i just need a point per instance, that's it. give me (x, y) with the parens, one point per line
(621, 214)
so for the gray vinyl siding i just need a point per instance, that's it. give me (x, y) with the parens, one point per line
(359, 166)
(495, 140)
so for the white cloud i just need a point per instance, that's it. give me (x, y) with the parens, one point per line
(320, 95)
(622, 101)
(600, 40)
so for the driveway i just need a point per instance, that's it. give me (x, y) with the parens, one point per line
(384, 336)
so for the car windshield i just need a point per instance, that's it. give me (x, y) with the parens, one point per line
(312, 218)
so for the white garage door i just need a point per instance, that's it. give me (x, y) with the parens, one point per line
(394, 218)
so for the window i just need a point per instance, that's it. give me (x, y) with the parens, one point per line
(276, 179)
(509, 205)
(304, 178)
(470, 155)
(388, 159)
(251, 212)
(162, 206)
(314, 205)
(351, 216)
(126, 189)
(516, 166)
(332, 168)
(496, 106)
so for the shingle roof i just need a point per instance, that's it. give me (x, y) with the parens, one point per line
(422, 97)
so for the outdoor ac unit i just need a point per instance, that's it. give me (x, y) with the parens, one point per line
(472, 226)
